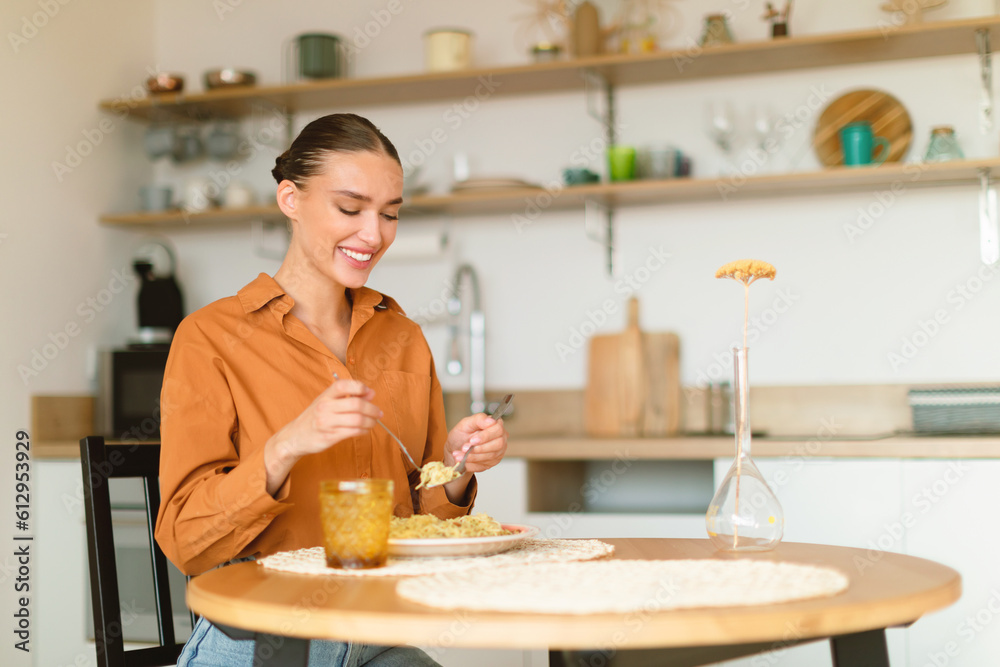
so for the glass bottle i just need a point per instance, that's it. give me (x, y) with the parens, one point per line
(744, 514)
(943, 145)
(638, 27)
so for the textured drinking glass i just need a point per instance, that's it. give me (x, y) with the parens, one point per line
(356, 515)
(744, 514)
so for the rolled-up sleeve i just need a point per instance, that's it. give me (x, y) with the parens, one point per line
(214, 503)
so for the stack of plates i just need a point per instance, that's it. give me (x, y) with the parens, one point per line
(492, 185)
(956, 410)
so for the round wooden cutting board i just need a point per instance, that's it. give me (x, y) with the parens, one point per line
(887, 115)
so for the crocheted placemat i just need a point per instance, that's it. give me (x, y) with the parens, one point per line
(622, 586)
(313, 560)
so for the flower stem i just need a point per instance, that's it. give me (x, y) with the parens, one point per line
(740, 378)
(746, 311)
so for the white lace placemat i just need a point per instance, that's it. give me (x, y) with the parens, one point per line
(622, 586)
(313, 560)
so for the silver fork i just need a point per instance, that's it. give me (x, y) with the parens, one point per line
(399, 442)
(393, 435)
(497, 414)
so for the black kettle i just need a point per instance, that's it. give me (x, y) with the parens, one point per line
(160, 303)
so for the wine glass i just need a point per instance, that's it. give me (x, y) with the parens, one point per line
(766, 135)
(722, 130)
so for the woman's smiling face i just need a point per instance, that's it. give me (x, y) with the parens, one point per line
(345, 218)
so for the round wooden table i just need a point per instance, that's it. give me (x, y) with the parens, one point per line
(886, 590)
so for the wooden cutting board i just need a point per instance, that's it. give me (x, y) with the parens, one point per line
(887, 115)
(633, 383)
(662, 413)
(632, 379)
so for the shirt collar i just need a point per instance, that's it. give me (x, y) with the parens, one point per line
(260, 292)
(265, 289)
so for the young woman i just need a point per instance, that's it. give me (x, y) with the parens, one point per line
(252, 419)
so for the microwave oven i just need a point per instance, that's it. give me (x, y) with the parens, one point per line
(128, 396)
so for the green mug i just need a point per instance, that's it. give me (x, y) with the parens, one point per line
(859, 143)
(321, 56)
(621, 163)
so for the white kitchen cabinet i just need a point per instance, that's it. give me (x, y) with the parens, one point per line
(61, 596)
(851, 503)
(951, 506)
(503, 491)
(559, 525)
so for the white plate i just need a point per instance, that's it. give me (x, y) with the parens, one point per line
(454, 547)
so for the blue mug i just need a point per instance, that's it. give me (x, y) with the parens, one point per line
(859, 143)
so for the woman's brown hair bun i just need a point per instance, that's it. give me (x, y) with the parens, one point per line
(278, 172)
(336, 133)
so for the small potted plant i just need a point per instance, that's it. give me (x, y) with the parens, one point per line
(778, 19)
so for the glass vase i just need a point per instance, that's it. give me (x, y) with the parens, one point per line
(943, 145)
(716, 31)
(744, 514)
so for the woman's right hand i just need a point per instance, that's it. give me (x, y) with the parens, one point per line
(344, 410)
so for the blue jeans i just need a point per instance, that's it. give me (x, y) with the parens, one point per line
(210, 647)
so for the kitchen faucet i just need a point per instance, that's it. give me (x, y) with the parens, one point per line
(477, 337)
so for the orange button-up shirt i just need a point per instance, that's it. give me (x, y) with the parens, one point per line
(242, 368)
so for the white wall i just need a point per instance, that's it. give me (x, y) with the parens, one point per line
(853, 301)
(65, 56)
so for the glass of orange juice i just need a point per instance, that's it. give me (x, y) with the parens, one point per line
(355, 515)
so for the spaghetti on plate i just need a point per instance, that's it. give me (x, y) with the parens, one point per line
(428, 526)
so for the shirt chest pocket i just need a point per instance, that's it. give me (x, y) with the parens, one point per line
(409, 401)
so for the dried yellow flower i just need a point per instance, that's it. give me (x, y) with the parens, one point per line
(747, 270)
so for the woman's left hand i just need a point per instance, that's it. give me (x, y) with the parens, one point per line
(488, 436)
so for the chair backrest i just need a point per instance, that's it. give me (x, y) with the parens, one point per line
(100, 463)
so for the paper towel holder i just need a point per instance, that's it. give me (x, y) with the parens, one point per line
(421, 246)
(259, 229)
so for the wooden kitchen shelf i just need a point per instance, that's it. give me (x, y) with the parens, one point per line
(894, 177)
(882, 43)
(631, 193)
(181, 218)
(713, 447)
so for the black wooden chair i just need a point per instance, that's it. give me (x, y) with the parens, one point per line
(100, 463)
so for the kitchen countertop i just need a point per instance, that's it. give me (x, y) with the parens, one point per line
(703, 447)
(871, 421)
(695, 447)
